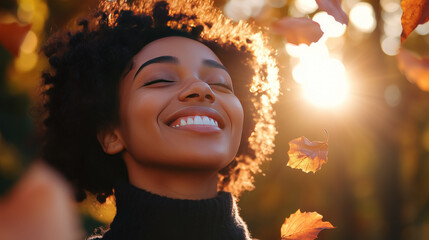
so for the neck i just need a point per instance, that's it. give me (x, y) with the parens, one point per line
(173, 182)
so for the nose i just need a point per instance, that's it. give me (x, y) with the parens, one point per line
(197, 91)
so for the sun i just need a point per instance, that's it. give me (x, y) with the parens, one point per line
(323, 79)
(317, 68)
(324, 83)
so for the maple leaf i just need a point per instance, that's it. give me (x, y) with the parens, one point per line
(12, 35)
(307, 155)
(333, 8)
(415, 12)
(303, 226)
(415, 69)
(297, 30)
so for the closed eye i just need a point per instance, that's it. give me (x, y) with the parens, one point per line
(157, 81)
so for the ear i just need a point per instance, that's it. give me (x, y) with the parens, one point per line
(111, 141)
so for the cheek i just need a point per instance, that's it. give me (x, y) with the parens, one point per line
(141, 123)
(235, 112)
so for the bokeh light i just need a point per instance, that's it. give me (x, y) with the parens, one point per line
(9, 159)
(30, 43)
(329, 26)
(390, 45)
(26, 61)
(392, 95)
(390, 5)
(26, 10)
(243, 9)
(423, 29)
(237, 11)
(392, 23)
(391, 29)
(306, 6)
(362, 16)
(390, 38)
(348, 4)
(34, 13)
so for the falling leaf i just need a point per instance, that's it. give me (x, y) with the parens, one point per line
(298, 30)
(12, 35)
(416, 69)
(333, 8)
(307, 155)
(303, 226)
(415, 12)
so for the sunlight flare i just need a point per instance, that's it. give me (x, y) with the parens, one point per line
(322, 78)
(323, 82)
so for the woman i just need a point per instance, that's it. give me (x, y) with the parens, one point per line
(166, 104)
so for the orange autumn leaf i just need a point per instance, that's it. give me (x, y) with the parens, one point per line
(415, 69)
(297, 30)
(307, 155)
(303, 226)
(333, 8)
(415, 12)
(12, 35)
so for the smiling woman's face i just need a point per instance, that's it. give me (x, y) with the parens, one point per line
(178, 109)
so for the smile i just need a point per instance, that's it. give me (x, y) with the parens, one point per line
(194, 120)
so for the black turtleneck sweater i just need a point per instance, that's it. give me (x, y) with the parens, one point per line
(145, 216)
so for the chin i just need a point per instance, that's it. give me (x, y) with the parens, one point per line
(192, 160)
(203, 163)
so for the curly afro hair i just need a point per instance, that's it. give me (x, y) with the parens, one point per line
(86, 66)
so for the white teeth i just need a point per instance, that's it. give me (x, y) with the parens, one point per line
(190, 121)
(198, 120)
(206, 121)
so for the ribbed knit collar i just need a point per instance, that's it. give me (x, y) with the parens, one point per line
(143, 215)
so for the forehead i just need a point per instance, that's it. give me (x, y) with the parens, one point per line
(185, 49)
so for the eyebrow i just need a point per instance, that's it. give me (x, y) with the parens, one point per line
(175, 60)
(161, 59)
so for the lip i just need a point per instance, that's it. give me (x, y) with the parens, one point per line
(196, 111)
